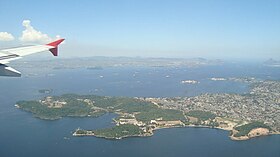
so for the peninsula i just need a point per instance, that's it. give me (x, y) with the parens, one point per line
(255, 113)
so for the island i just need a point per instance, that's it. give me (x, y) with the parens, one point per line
(272, 63)
(245, 116)
(190, 82)
(218, 79)
(45, 91)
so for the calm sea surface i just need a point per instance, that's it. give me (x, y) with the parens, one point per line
(23, 135)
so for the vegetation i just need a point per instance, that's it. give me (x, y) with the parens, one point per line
(134, 105)
(39, 110)
(243, 130)
(81, 132)
(76, 106)
(122, 104)
(119, 131)
(73, 107)
(201, 115)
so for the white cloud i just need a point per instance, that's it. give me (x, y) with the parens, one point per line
(30, 34)
(5, 36)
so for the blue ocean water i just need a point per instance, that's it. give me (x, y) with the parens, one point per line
(23, 135)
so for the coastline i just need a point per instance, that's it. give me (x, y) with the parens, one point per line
(232, 137)
(242, 115)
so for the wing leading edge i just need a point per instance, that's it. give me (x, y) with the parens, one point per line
(8, 55)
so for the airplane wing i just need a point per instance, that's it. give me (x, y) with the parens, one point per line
(8, 55)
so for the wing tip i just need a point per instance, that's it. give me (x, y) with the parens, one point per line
(55, 43)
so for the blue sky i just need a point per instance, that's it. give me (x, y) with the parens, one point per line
(226, 29)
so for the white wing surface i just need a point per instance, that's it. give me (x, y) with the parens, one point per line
(8, 55)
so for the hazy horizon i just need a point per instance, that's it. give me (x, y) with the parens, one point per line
(173, 29)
